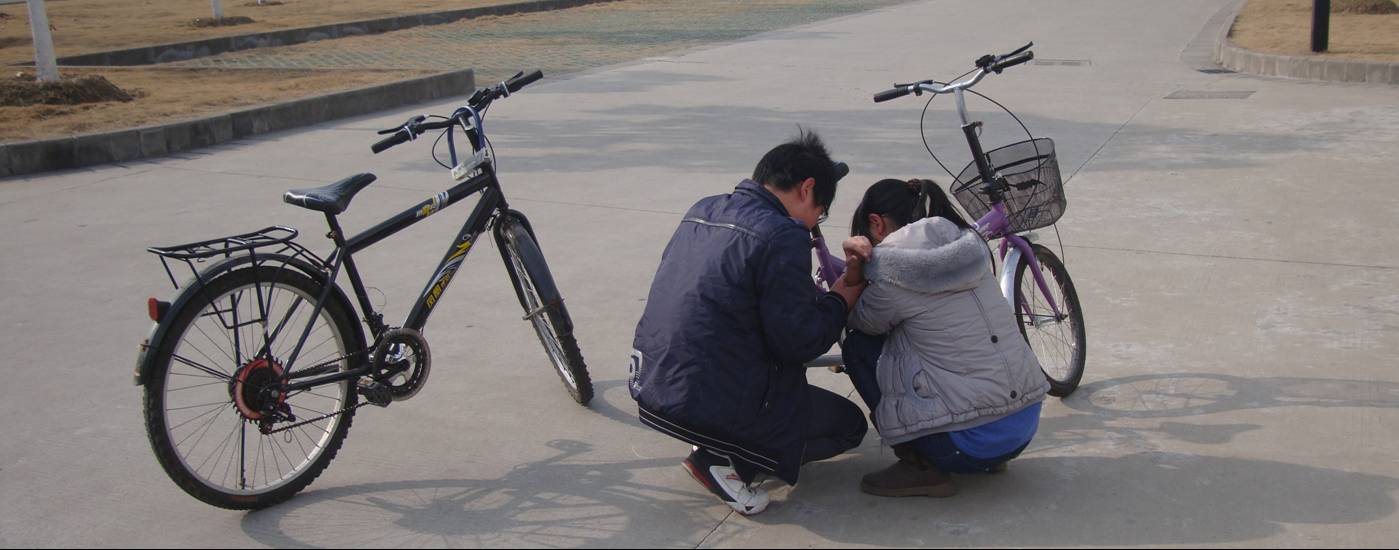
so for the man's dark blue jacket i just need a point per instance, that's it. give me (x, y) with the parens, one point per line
(732, 316)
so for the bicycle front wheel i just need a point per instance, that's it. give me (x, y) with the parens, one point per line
(1057, 340)
(544, 309)
(216, 421)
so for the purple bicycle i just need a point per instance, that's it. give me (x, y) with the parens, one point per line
(1011, 191)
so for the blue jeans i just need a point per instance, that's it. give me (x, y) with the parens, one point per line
(860, 352)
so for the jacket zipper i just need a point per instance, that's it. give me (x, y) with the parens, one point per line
(767, 390)
(995, 339)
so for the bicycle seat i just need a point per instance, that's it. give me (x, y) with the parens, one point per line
(331, 199)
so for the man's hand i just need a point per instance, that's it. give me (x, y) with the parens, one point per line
(852, 283)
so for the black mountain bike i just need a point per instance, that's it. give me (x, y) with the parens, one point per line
(254, 371)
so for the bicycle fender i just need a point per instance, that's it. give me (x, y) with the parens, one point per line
(1008, 265)
(160, 331)
(532, 257)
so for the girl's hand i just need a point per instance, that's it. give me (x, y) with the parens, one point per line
(858, 251)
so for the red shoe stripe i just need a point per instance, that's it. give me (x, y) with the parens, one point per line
(702, 479)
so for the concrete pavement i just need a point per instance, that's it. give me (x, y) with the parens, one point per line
(1231, 255)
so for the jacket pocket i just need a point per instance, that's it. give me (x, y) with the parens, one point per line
(923, 385)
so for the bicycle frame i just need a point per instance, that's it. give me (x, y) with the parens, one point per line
(491, 205)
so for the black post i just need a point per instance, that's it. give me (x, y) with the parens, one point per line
(1321, 24)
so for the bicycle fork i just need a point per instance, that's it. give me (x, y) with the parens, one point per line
(1012, 249)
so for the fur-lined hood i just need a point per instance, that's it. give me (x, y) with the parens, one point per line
(929, 256)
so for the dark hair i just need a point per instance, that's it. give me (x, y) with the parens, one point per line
(789, 164)
(937, 203)
(903, 202)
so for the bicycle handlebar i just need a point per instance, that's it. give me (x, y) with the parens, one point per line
(1011, 62)
(522, 80)
(984, 64)
(478, 102)
(384, 144)
(893, 93)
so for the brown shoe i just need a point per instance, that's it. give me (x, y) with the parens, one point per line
(908, 479)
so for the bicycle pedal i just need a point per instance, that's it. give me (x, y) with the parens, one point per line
(374, 392)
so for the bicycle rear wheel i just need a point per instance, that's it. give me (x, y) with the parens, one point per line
(213, 383)
(1058, 341)
(544, 309)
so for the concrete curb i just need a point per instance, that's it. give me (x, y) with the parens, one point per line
(125, 145)
(1232, 57)
(181, 51)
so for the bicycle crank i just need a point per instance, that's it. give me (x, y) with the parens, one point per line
(402, 362)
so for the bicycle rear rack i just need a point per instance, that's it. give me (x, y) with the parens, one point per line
(225, 247)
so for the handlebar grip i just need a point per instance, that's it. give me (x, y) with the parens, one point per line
(521, 81)
(895, 93)
(1012, 61)
(389, 142)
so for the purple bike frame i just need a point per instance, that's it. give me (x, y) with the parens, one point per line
(994, 225)
(831, 267)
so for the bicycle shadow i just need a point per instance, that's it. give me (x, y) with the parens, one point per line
(1193, 394)
(1142, 498)
(1064, 492)
(561, 501)
(556, 502)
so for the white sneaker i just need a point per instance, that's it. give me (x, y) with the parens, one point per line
(720, 478)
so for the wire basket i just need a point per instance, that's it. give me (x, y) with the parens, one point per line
(1035, 196)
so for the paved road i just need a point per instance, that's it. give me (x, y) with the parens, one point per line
(558, 42)
(1233, 256)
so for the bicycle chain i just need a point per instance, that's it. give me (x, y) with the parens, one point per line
(328, 415)
(317, 419)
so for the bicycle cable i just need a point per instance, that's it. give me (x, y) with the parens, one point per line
(495, 163)
(924, 134)
(438, 141)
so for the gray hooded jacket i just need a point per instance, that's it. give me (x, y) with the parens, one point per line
(954, 358)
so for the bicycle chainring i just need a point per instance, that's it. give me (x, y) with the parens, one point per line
(402, 362)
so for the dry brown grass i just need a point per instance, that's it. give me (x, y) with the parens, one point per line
(165, 95)
(86, 26)
(1284, 27)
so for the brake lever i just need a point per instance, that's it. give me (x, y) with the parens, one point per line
(917, 86)
(411, 121)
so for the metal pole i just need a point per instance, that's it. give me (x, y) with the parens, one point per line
(44, 62)
(1321, 24)
(218, 9)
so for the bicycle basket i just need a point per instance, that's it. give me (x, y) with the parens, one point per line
(1035, 196)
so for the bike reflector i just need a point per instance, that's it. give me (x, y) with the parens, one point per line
(156, 308)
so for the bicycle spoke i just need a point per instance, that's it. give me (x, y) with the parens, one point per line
(218, 452)
(220, 375)
(216, 346)
(180, 425)
(220, 383)
(215, 403)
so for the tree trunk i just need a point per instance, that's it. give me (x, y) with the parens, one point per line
(44, 62)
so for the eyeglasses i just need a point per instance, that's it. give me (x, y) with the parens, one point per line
(825, 213)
